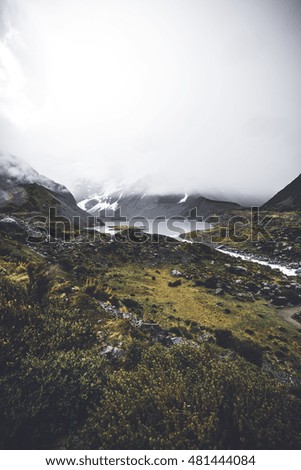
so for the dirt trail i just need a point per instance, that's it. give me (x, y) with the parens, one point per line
(287, 312)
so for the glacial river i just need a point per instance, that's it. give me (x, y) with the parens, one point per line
(285, 270)
(176, 227)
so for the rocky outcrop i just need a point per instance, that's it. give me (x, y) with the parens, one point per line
(25, 193)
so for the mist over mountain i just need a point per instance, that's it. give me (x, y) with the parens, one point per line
(126, 202)
(23, 189)
(196, 96)
(87, 189)
(14, 170)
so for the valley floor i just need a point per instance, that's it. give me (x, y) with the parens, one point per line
(132, 344)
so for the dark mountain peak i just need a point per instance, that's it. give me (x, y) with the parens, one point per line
(14, 171)
(24, 191)
(288, 199)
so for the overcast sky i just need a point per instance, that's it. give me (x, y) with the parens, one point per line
(188, 95)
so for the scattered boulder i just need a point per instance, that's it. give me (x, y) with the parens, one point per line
(175, 340)
(150, 327)
(252, 287)
(249, 332)
(292, 296)
(112, 352)
(219, 291)
(176, 283)
(176, 273)
(154, 330)
(279, 301)
(206, 338)
(265, 291)
(238, 270)
(211, 282)
(297, 316)
(132, 304)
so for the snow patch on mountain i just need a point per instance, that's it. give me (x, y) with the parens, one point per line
(184, 199)
(100, 202)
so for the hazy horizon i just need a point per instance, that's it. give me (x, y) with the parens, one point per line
(186, 96)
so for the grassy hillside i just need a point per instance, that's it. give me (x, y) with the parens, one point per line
(132, 344)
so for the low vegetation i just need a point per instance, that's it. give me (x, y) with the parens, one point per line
(101, 349)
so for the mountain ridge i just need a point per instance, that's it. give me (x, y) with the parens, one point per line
(287, 199)
(24, 191)
(130, 205)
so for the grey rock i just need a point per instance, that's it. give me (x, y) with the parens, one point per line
(238, 269)
(176, 273)
(206, 338)
(112, 351)
(175, 340)
(279, 301)
(175, 283)
(219, 291)
(211, 282)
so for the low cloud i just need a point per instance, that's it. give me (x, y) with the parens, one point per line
(194, 96)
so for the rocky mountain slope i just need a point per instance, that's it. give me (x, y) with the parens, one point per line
(25, 191)
(288, 199)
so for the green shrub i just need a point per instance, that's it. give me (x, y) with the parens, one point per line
(188, 398)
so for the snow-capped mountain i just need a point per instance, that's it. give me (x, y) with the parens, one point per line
(125, 203)
(101, 202)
